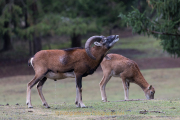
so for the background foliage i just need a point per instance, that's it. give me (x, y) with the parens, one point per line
(33, 20)
(165, 25)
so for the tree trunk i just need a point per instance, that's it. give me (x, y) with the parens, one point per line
(26, 26)
(76, 40)
(6, 36)
(37, 44)
(30, 48)
(7, 39)
(139, 6)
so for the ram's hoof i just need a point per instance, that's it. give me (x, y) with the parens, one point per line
(47, 106)
(84, 107)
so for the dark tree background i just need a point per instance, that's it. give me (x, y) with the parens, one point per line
(164, 25)
(31, 20)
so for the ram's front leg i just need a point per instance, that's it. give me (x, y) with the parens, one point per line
(79, 102)
(77, 95)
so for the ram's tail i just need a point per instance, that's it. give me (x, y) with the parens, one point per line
(30, 61)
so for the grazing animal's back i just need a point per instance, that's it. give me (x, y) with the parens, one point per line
(119, 64)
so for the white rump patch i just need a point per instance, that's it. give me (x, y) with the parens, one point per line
(31, 61)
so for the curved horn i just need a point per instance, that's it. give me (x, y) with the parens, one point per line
(88, 45)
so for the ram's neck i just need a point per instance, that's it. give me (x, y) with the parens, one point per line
(98, 52)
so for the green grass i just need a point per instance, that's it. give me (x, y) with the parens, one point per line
(61, 96)
(149, 46)
(139, 43)
(157, 109)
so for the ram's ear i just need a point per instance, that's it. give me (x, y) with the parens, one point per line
(97, 44)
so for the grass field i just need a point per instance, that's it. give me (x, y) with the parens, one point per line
(154, 109)
(61, 96)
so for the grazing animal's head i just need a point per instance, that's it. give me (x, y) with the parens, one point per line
(149, 92)
(100, 41)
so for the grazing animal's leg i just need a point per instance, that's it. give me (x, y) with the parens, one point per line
(126, 88)
(127, 91)
(79, 102)
(39, 88)
(33, 82)
(102, 84)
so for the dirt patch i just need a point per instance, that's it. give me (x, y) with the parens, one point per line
(154, 63)
(14, 67)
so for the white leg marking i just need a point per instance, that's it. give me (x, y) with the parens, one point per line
(125, 90)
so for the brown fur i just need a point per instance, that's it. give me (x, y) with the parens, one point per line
(128, 70)
(60, 64)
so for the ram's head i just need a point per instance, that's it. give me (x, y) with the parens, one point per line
(100, 41)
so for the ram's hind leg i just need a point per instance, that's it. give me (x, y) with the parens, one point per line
(33, 82)
(39, 88)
